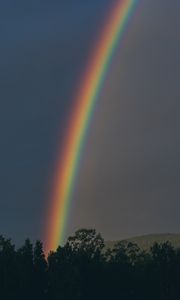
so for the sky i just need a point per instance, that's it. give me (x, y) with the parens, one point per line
(128, 180)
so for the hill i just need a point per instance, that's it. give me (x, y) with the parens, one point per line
(146, 241)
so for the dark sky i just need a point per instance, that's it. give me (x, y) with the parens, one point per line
(128, 180)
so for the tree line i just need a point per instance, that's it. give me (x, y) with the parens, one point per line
(85, 269)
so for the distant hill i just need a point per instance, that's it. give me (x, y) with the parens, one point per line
(146, 241)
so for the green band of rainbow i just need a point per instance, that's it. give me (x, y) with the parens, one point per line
(85, 102)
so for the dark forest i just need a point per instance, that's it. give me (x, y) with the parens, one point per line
(85, 269)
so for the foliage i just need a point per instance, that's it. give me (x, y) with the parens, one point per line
(84, 269)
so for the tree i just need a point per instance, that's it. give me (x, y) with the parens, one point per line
(164, 265)
(86, 242)
(40, 270)
(26, 270)
(63, 275)
(8, 276)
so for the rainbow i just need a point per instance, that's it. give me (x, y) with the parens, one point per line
(80, 118)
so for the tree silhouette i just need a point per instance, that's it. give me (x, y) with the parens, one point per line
(8, 280)
(40, 270)
(86, 242)
(84, 269)
(26, 270)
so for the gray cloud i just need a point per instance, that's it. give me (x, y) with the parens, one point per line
(129, 176)
(128, 180)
